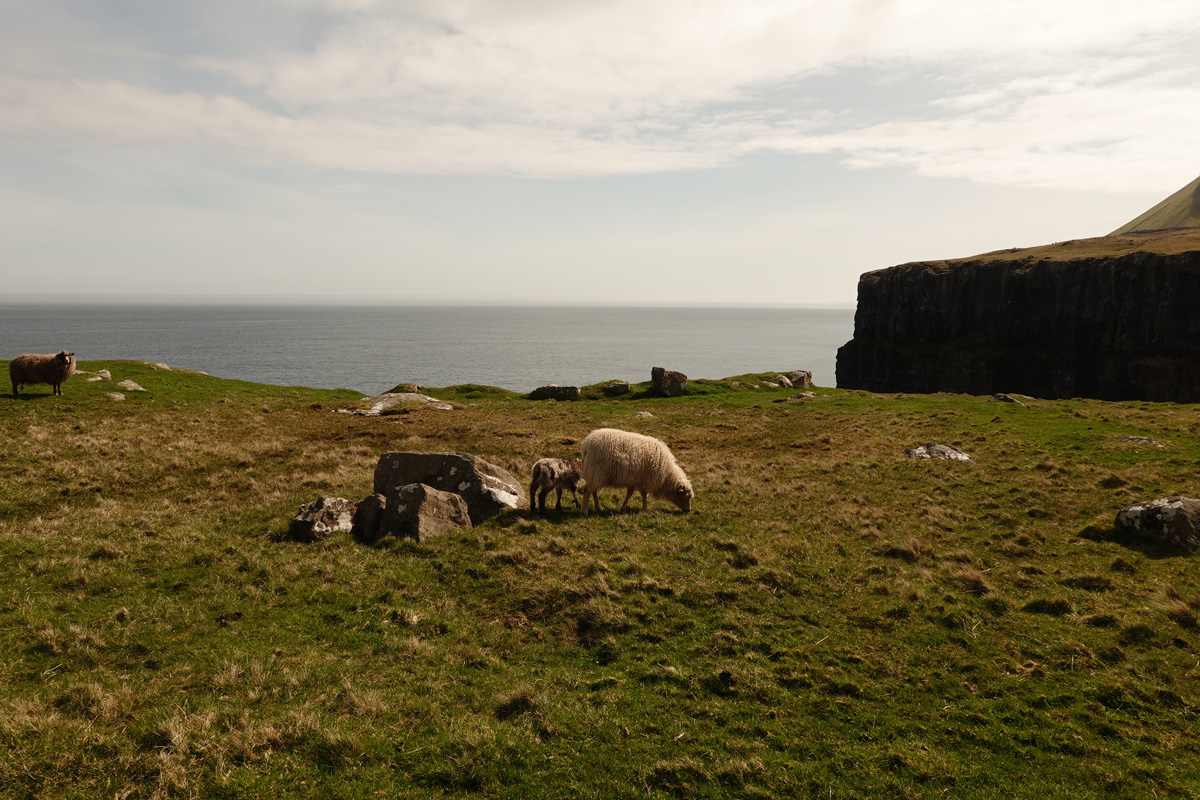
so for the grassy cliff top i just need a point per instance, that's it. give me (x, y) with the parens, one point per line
(834, 619)
(1167, 242)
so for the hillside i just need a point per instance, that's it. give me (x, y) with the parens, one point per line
(832, 620)
(1179, 211)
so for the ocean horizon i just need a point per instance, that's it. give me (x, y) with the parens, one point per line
(371, 348)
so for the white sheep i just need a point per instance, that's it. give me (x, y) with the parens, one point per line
(30, 368)
(634, 462)
(553, 473)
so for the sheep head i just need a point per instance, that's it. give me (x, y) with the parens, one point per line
(682, 496)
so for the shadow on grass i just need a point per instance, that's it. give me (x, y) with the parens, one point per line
(1147, 547)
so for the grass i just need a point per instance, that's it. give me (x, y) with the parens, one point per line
(832, 620)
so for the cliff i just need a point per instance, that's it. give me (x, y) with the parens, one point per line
(1110, 318)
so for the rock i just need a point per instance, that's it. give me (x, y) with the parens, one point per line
(1000, 397)
(382, 403)
(487, 489)
(667, 383)
(421, 512)
(105, 374)
(1172, 520)
(1117, 327)
(772, 385)
(93, 379)
(552, 392)
(800, 378)
(938, 451)
(367, 518)
(616, 389)
(117, 396)
(802, 396)
(643, 414)
(784, 380)
(321, 517)
(158, 365)
(130, 386)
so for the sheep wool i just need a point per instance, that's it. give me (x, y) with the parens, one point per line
(30, 368)
(621, 459)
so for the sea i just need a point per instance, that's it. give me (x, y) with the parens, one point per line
(373, 348)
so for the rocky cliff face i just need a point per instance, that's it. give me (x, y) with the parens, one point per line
(1123, 327)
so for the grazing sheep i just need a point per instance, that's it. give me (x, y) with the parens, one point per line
(557, 474)
(633, 462)
(30, 368)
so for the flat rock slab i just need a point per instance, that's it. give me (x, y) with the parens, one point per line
(552, 392)
(388, 400)
(487, 489)
(130, 386)
(941, 452)
(1171, 520)
(321, 517)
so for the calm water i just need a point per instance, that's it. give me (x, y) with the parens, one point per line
(372, 349)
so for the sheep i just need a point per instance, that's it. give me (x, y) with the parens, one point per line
(30, 368)
(633, 462)
(553, 473)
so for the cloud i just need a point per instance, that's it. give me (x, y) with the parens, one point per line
(1070, 94)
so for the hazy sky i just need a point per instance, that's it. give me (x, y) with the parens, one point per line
(651, 151)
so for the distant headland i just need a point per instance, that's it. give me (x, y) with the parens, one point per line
(1111, 317)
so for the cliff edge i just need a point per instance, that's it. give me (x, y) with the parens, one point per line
(1110, 318)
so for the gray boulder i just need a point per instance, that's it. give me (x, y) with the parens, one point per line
(421, 512)
(616, 389)
(552, 392)
(943, 452)
(667, 382)
(486, 488)
(801, 379)
(368, 518)
(321, 517)
(1171, 520)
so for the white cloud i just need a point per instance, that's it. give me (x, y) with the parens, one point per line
(1077, 94)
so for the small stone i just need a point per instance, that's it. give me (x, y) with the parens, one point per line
(643, 414)
(616, 389)
(784, 380)
(942, 452)
(130, 386)
(321, 517)
(116, 396)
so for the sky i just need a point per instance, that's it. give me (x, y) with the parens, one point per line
(659, 152)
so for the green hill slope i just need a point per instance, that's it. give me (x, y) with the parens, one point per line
(1180, 210)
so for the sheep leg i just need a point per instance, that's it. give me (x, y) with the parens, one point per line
(532, 490)
(628, 494)
(558, 499)
(542, 500)
(643, 500)
(575, 494)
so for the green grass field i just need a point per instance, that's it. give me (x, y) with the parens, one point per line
(833, 620)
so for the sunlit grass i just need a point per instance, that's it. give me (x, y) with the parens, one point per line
(833, 620)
